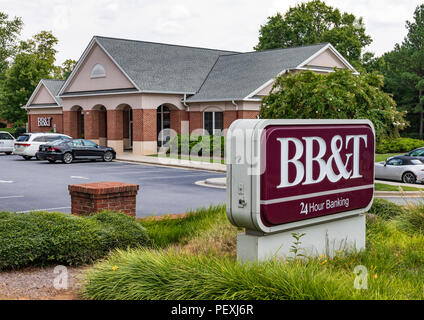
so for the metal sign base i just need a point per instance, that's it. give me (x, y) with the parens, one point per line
(330, 239)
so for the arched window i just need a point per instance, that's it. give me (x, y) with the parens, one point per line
(98, 71)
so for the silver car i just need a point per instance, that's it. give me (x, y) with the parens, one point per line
(400, 168)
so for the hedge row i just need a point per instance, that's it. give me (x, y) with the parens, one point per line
(399, 145)
(198, 145)
(41, 238)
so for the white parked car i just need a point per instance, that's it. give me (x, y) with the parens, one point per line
(400, 168)
(7, 142)
(28, 144)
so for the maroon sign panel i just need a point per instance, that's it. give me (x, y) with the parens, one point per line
(315, 170)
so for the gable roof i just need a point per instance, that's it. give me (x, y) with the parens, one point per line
(205, 74)
(53, 86)
(234, 77)
(158, 67)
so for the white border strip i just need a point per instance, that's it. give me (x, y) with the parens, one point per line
(317, 194)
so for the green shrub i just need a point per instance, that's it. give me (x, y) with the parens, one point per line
(18, 132)
(393, 258)
(386, 209)
(199, 145)
(172, 275)
(40, 238)
(413, 219)
(399, 145)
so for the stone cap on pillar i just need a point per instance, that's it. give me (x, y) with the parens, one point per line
(98, 188)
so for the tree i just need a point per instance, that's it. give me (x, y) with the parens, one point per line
(315, 22)
(9, 31)
(34, 61)
(337, 95)
(63, 72)
(403, 69)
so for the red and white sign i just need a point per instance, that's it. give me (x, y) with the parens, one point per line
(289, 173)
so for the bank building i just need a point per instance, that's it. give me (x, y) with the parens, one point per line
(123, 93)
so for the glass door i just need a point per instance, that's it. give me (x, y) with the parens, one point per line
(163, 123)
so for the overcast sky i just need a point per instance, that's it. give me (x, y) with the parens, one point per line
(220, 24)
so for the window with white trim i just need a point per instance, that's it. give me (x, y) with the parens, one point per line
(213, 122)
(98, 71)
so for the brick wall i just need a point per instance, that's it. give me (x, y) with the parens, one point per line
(144, 125)
(196, 120)
(115, 122)
(248, 114)
(57, 119)
(176, 117)
(229, 118)
(102, 124)
(91, 124)
(70, 124)
(95, 197)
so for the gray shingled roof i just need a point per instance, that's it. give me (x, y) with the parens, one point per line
(162, 67)
(234, 77)
(54, 87)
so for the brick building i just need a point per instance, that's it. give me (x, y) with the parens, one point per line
(123, 93)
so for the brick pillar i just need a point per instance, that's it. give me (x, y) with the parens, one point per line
(29, 123)
(111, 196)
(70, 124)
(144, 131)
(115, 137)
(229, 118)
(91, 125)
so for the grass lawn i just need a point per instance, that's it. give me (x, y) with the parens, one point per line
(201, 263)
(388, 187)
(383, 157)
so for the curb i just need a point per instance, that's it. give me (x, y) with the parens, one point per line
(203, 183)
(174, 165)
(404, 194)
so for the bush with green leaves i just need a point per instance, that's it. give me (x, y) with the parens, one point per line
(197, 145)
(398, 145)
(337, 95)
(42, 238)
(18, 132)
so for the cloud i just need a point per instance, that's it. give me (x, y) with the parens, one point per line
(221, 24)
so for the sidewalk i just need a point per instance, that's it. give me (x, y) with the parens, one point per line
(171, 162)
(401, 184)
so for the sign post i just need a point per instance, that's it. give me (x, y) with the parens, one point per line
(295, 177)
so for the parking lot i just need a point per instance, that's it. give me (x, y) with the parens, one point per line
(39, 185)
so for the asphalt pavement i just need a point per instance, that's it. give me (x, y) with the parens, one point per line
(39, 185)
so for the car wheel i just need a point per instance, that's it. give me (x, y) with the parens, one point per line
(8, 153)
(108, 156)
(409, 177)
(27, 158)
(52, 161)
(68, 158)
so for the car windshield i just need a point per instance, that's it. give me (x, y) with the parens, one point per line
(23, 138)
(417, 153)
